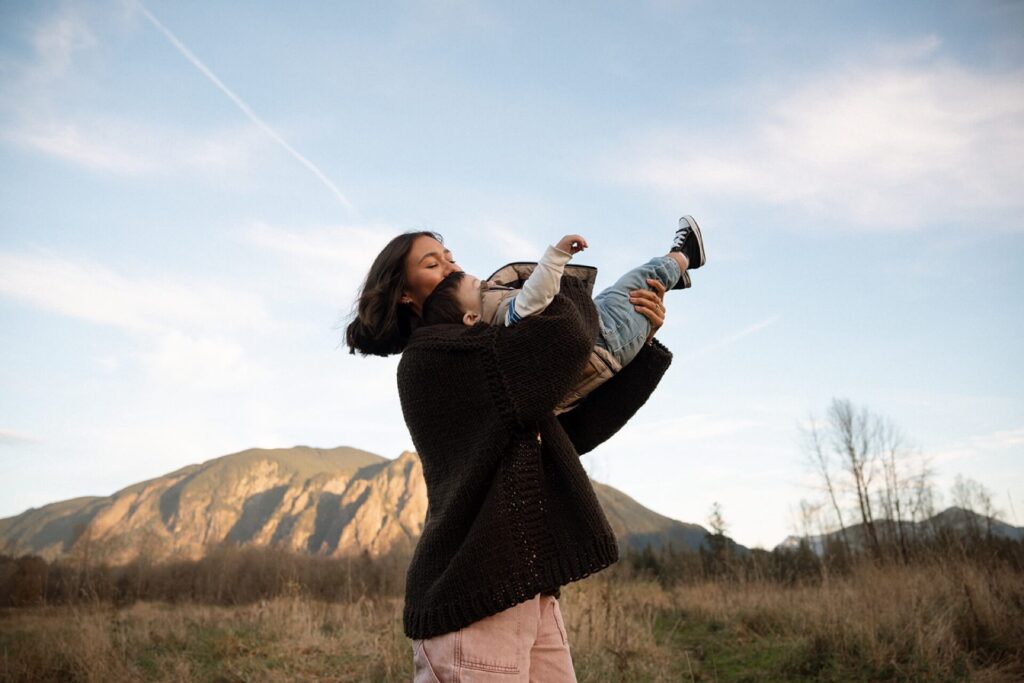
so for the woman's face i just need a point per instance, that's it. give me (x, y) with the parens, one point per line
(426, 265)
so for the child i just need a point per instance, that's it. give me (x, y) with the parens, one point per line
(462, 298)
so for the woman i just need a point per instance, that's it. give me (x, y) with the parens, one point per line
(511, 513)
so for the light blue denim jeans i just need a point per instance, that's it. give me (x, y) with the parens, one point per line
(623, 329)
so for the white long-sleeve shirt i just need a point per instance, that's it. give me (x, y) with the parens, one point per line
(540, 288)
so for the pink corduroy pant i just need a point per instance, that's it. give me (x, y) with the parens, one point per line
(526, 642)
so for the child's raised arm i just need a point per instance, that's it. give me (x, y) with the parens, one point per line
(543, 284)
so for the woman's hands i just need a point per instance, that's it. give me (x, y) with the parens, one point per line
(650, 304)
(572, 244)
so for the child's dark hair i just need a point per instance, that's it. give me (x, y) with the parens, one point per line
(442, 306)
(382, 323)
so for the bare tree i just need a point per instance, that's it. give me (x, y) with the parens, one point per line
(894, 496)
(822, 465)
(974, 497)
(809, 512)
(854, 435)
(923, 496)
(868, 469)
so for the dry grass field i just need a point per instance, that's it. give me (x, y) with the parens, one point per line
(936, 622)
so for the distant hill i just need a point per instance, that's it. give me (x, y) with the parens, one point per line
(951, 519)
(333, 502)
(635, 526)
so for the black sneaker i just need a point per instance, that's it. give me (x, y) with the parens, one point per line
(689, 242)
(684, 281)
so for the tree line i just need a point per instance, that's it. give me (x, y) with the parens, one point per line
(226, 575)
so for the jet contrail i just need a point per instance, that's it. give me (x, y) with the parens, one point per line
(242, 105)
(732, 338)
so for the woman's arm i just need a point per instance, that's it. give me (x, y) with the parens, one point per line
(612, 404)
(539, 360)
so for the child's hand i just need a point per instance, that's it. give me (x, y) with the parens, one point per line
(572, 244)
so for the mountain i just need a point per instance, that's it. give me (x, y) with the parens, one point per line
(635, 526)
(332, 502)
(954, 519)
(959, 519)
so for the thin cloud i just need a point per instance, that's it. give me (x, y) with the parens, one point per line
(41, 121)
(84, 289)
(56, 43)
(336, 245)
(12, 438)
(878, 148)
(199, 362)
(651, 436)
(188, 334)
(125, 148)
(734, 337)
(1003, 440)
(331, 259)
(1006, 438)
(697, 427)
(509, 245)
(246, 109)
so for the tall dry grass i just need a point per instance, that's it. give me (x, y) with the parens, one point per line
(284, 639)
(943, 621)
(951, 621)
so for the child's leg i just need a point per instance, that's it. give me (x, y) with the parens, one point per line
(623, 329)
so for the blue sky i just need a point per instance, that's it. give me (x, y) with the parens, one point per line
(190, 193)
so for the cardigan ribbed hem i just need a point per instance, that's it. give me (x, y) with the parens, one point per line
(436, 620)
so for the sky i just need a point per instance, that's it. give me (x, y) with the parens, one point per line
(192, 192)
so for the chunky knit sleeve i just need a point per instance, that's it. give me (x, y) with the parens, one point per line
(612, 404)
(540, 359)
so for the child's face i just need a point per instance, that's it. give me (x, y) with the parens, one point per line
(470, 300)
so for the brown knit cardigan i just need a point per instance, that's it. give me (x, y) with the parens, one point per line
(511, 512)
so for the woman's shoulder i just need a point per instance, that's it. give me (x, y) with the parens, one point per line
(449, 336)
(439, 353)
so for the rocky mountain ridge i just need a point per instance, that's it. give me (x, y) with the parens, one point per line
(331, 502)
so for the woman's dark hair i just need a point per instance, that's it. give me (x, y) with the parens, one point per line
(442, 306)
(381, 324)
